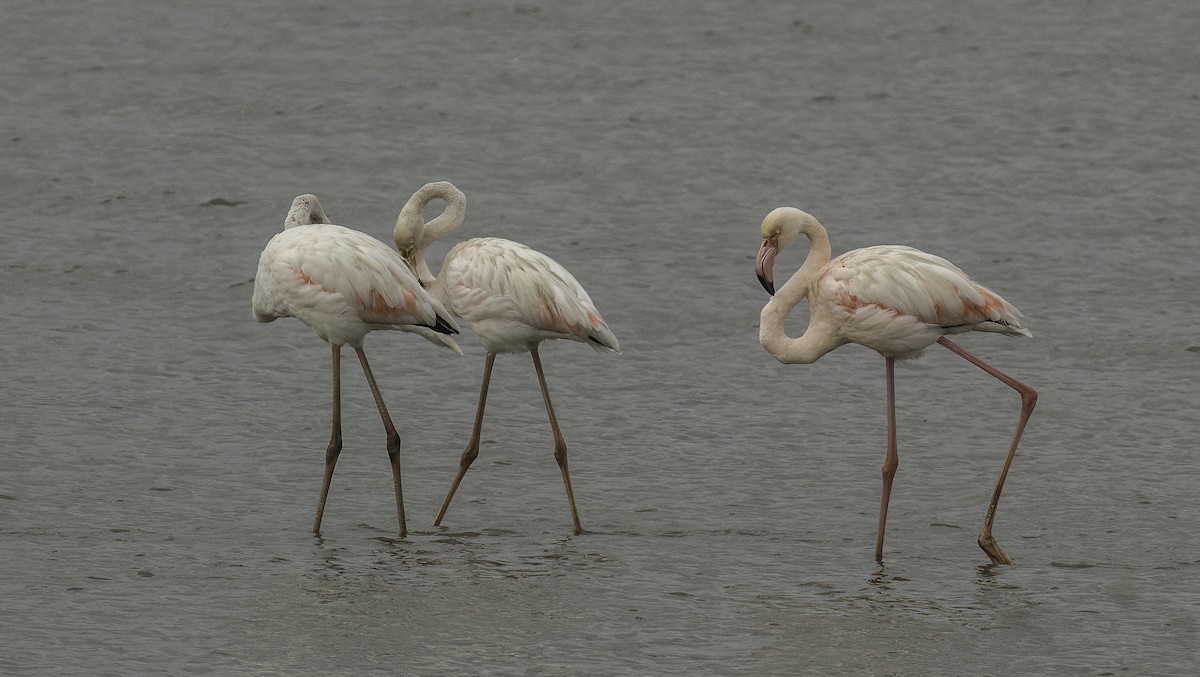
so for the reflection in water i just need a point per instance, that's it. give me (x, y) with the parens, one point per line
(440, 558)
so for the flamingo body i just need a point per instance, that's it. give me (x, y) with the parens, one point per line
(343, 284)
(515, 297)
(898, 300)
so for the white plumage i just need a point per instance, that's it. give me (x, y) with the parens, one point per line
(344, 284)
(895, 300)
(514, 297)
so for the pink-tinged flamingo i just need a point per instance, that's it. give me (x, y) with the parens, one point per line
(345, 284)
(512, 296)
(895, 300)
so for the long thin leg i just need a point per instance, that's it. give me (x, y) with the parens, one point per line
(1028, 401)
(560, 445)
(891, 461)
(472, 451)
(335, 438)
(393, 438)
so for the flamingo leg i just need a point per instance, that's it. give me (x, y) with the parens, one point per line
(560, 445)
(1028, 401)
(891, 461)
(393, 438)
(472, 451)
(335, 438)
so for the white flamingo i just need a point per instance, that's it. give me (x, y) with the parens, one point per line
(344, 284)
(512, 296)
(895, 300)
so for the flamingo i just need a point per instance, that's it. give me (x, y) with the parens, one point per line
(514, 297)
(895, 300)
(344, 284)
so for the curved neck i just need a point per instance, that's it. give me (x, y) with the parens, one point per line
(412, 216)
(817, 339)
(451, 217)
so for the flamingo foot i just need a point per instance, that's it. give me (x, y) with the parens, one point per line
(993, 549)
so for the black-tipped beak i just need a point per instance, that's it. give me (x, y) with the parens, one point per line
(764, 264)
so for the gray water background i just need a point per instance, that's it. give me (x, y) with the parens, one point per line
(160, 453)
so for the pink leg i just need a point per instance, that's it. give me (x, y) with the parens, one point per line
(335, 438)
(891, 461)
(1028, 401)
(472, 451)
(393, 439)
(560, 445)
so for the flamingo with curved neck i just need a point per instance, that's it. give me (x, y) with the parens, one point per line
(895, 300)
(513, 297)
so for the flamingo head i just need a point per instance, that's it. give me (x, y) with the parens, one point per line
(305, 211)
(407, 240)
(779, 228)
(409, 231)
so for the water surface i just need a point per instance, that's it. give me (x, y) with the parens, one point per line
(160, 453)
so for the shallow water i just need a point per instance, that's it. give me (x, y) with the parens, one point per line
(160, 453)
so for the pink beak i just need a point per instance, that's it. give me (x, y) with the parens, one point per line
(764, 264)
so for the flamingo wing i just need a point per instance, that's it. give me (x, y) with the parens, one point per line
(332, 263)
(909, 282)
(493, 280)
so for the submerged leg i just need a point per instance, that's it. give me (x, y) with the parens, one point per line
(472, 451)
(1028, 401)
(891, 461)
(393, 439)
(335, 438)
(560, 445)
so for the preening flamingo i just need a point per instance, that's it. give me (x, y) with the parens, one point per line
(895, 300)
(512, 296)
(344, 284)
